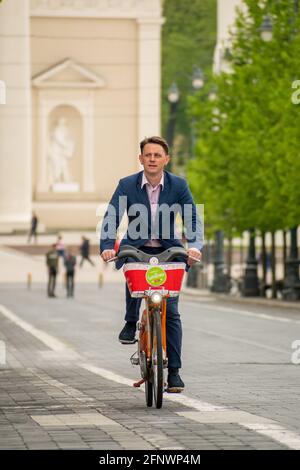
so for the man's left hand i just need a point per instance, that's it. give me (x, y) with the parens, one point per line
(195, 253)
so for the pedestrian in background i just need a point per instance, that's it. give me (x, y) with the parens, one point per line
(85, 251)
(52, 263)
(70, 263)
(60, 247)
(33, 228)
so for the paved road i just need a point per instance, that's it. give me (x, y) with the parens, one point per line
(66, 382)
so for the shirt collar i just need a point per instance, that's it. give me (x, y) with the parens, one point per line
(145, 181)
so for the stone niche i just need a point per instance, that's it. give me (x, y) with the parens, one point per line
(65, 129)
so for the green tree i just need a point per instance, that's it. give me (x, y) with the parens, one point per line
(248, 164)
(188, 38)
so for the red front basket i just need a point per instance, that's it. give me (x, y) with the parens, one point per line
(170, 280)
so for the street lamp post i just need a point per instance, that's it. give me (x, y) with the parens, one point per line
(291, 284)
(197, 84)
(266, 29)
(173, 98)
(221, 281)
(250, 285)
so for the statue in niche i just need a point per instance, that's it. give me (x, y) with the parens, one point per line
(61, 150)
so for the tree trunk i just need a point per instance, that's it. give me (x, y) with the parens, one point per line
(273, 265)
(263, 262)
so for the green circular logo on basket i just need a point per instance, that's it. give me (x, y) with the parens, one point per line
(156, 276)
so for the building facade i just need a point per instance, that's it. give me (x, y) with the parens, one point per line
(226, 12)
(82, 84)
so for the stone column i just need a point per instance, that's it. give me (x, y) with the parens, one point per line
(149, 77)
(15, 116)
(226, 15)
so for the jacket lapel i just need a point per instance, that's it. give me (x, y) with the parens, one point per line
(143, 197)
(163, 196)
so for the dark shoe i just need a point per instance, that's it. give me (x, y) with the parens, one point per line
(127, 335)
(175, 384)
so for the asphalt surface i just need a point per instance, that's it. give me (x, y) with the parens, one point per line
(67, 382)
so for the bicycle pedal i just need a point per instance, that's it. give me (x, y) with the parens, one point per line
(174, 390)
(135, 361)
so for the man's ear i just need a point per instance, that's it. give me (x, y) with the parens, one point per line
(141, 159)
(167, 159)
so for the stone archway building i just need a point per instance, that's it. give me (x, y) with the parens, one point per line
(93, 66)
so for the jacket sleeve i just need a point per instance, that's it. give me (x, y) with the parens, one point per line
(191, 220)
(112, 218)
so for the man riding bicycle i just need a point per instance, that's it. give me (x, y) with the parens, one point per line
(144, 196)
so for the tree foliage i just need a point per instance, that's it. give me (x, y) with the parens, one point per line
(247, 169)
(188, 38)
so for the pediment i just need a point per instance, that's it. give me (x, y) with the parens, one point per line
(68, 74)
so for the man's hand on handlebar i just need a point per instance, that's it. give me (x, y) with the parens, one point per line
(106, 255)
(193, 255)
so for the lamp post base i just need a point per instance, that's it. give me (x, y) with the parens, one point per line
(291, 284)
(221, 282)
(250, 284)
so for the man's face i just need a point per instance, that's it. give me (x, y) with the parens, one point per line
(154, 159)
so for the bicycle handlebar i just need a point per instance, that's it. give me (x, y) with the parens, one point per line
(168, 255)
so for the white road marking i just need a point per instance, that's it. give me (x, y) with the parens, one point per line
(48, 340)
(107, 374)
(261, 315)
(272, 430)
(276, 432)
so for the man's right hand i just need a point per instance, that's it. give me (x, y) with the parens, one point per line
(106, 255)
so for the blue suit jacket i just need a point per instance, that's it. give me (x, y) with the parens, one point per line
(129, 193)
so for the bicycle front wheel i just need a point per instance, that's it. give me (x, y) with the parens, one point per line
(157, 360)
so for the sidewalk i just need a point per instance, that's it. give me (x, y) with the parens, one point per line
(204, 293)
(16, 266)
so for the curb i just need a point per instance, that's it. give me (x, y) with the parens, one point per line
(199, 293)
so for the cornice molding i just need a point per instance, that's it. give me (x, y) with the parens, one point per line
(119, 9)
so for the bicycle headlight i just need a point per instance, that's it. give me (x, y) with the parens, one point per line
(156, 298)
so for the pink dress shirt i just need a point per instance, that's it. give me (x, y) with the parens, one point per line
(153, 195)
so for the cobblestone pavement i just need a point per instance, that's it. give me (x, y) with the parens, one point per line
(58, 391)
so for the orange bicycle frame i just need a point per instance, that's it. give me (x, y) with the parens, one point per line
(145, 335)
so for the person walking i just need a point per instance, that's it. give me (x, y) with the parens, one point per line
(60, 247)
(33, 228)
(52, 264)
(70, 263)
(85, 251)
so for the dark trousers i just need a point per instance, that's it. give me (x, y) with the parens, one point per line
(174, 328)
(87, 258)
(70, 283)
(51, 281)
(32, 233)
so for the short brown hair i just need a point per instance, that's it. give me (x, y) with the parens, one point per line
(155, 140)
